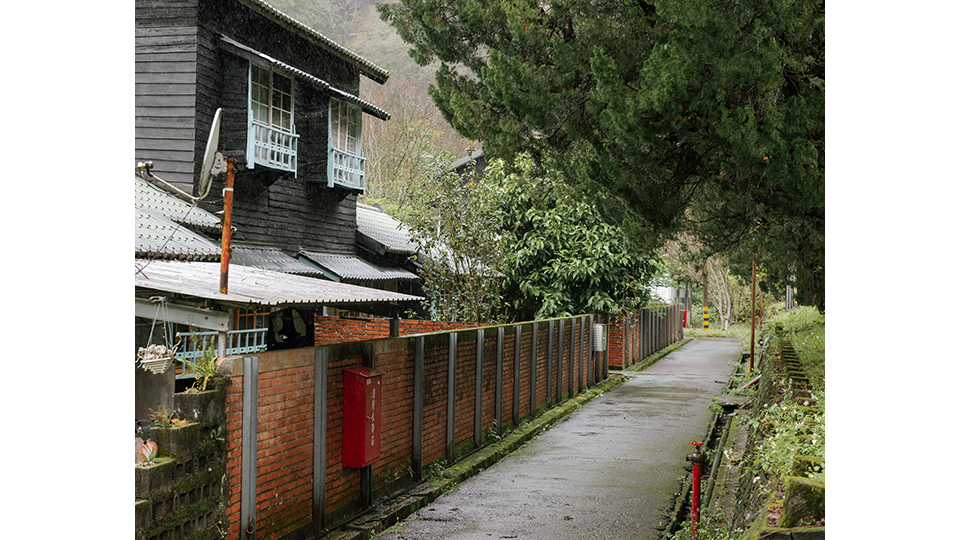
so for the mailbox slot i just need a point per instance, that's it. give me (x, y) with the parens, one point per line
(599, 337)
(362, 397)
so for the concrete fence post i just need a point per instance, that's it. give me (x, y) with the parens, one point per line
(248, 452)
(417, 458)
(319, 439)
(451, 394)
(499, 390)
(478, 398)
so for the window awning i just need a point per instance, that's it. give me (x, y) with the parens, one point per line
(367, 67)
(252, 54)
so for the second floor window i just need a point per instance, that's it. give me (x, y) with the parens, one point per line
(346, 165)
(272, 136)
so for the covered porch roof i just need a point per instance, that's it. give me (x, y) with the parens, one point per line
(199, 283)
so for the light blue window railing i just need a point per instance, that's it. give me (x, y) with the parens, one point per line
(345, 169)
(238, 342)
(271, 133)
(346, 165)
(271, 147)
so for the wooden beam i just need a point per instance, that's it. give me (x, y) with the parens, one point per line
(190, 316)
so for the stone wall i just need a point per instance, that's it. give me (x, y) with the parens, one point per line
(181, 495)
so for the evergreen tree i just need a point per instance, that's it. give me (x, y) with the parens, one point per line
(707, 115)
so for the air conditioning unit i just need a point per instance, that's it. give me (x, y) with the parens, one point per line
(599, 337)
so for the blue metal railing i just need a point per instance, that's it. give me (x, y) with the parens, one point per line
(238, 342)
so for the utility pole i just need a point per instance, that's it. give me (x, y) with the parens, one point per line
(706, 308)
(225, 227)
(753, 310)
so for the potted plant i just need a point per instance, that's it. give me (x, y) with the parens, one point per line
(175, 437)
(156, 358)
(202, 401)
(205, 368)
(148, 451)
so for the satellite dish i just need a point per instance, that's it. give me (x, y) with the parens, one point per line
(213, 163)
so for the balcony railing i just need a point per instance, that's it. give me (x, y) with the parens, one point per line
(345, 169)
(238, 342)
(271, 147)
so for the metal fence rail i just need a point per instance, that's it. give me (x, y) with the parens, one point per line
(238, 342)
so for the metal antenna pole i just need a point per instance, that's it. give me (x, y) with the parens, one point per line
(226, 226)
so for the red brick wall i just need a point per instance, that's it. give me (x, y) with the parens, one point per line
(233, 410)
(645, 337)
(330, 330)
(342, 483)
(396, 428)
(285, 411)
(284, 443)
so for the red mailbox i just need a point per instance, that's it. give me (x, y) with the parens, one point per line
(362, 396)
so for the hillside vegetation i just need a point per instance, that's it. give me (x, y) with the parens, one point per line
(401, 151)
(773, 468)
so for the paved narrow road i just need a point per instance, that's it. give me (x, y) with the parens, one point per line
(608, 471)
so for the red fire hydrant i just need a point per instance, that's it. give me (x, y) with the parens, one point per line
(697, 459)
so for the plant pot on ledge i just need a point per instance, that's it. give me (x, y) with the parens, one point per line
(153, 478)
(196, 406)
(179, 442)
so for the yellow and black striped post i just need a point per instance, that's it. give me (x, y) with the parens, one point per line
(706, 318)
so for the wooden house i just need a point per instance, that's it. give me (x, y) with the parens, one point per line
(291, 117)
(291, 122)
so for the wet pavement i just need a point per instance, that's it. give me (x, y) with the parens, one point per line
(609, 470)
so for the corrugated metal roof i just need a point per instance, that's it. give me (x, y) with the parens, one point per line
(255, 286)
(384, 229)
(161, 223)
(349, 267)
(153, 200)
(158, 237)
(273, 259)
(368, 68)
(366, 107)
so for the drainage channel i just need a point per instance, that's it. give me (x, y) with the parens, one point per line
(714, 439)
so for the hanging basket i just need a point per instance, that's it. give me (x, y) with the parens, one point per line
(156, 358)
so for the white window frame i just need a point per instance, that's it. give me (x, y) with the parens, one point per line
(346, 165)
(271, 130)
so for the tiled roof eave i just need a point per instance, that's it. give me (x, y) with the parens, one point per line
(369, 69)
(365, 106)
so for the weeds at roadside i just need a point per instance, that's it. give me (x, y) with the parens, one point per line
(438, 469)
(396, 529)
(709, 527)
(493, 433)
(792, 429)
